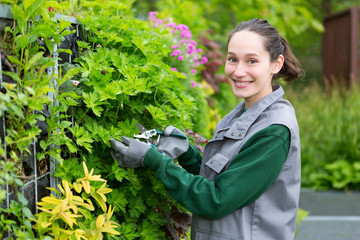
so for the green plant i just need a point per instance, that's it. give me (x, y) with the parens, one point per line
(329, 127)
(73, 213)
(124, 80)
(14, 219)
(301, 215)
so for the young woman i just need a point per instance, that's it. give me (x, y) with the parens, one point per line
(247, 183)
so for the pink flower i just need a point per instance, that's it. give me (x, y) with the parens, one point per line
(194, 71)
(182, 27)
(193, 42)
(158, 21)
(98, 45)
(170, 25)
(193, 84)
(191, 47)
(172, 31)
(204, 60)
(175, 46)
(175, 53)
(186, 34)
(76, 82)
(199, 50)
(181, 58)
(184, 74)
(152, 14)
(174, 69)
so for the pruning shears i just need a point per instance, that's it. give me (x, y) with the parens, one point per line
(149, 135)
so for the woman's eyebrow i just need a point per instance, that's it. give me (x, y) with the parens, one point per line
(247, 54)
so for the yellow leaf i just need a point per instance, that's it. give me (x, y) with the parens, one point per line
(54, 190)
(67, 188)
(77, 199)
(109, 213)
(100, 222)
(86, 186)
(77, 187)
(85, 169)
(61, 189)
(100, 201)
(51, 200)
(68, 218)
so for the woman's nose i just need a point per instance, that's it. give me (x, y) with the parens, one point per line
(240, 70)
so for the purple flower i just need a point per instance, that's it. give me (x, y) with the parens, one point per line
(186, 34)
(159, 21)
(76, 82)
(193, 84)
(193, 42)
(194, 71)
(182, 27)
(175, 53)
(174, 69)
(204, 60)
(170, 25)
(175, 46)
(152, 14)
(181, 58)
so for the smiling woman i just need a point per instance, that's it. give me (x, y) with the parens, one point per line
(246, 184)
(254, 58)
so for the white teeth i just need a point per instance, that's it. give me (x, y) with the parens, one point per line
(242, 83)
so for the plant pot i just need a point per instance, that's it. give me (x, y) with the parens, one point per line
(333, 215)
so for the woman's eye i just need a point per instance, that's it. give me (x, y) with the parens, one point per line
(252, 61)
(231, 59)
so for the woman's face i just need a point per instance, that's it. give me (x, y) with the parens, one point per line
(248, 67)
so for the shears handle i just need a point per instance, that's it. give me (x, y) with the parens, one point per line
(171, 134)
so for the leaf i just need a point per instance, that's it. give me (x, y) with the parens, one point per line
(100, 201)
(33, 61)
(136, 207)
(82, 137)
(13, 59)
(157, 113)
(92, 100)
(13, 76)
(69, 74)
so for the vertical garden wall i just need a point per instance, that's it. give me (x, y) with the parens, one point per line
(67, 87)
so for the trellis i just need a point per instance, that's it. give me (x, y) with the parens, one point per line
(36, 178)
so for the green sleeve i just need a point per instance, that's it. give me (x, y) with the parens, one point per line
(249, 175)
(191, 160)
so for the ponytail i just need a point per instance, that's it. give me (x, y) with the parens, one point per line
(291, 69)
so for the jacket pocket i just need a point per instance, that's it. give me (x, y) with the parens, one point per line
(217, 162)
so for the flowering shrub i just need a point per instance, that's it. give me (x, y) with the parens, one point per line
(186, 55)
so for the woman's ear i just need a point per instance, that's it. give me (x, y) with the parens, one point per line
(278, 64)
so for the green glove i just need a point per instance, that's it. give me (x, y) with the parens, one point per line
(173, 142)
(130, 155)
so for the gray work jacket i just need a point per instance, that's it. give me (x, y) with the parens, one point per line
(273, 215)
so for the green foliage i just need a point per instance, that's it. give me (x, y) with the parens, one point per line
(329, 129)
(73, 213)
(122, 77)
(14, 219)
(301, 215)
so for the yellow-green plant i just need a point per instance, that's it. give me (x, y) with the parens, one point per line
(72, 214)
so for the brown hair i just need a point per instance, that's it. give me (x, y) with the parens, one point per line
(275, 44)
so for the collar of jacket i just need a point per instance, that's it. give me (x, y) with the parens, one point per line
(238, 126)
